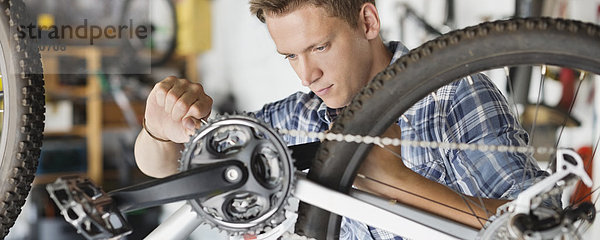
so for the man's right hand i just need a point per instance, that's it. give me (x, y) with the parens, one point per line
(174, 109)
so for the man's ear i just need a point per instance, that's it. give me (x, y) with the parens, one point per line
(368, 21)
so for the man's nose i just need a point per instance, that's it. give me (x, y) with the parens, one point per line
(309, 72)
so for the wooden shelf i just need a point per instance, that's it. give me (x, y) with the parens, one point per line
(91, 92)
(67, 91)
(80, 131)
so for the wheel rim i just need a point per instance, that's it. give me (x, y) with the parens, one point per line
(6, 101)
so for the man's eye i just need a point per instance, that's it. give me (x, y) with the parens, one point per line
(321, 48)
(290, 56)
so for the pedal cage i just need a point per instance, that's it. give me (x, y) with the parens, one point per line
(88, 208)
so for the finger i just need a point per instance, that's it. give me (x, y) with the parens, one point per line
(203, 104)
(162, 88)
(201, 108)
(172, 97)
(191, 124)
(182, 105)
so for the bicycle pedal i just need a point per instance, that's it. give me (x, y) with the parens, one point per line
(88, 208)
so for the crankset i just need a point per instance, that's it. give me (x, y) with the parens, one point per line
(235, 172)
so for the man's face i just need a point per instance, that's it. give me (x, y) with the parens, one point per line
(332, 58)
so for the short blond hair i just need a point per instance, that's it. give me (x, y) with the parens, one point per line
(348, 10)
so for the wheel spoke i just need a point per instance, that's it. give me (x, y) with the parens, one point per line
(591, 159)
(539, 100)
(517, 115)
(479, 218)
(578, 201)
(528, 165)
(468, 202)
(412, 128)
(564, 123)
(429, 150)
(511, 90)
(586, 166)
(470, 80)
(399, 156)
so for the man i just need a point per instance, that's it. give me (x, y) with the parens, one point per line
(335, 48)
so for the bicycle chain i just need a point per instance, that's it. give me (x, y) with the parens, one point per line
(386, 141)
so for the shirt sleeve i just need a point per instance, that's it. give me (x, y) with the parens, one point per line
(480, 114)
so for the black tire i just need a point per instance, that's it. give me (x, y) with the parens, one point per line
(140, 62)
(23, 119)
(435, 64)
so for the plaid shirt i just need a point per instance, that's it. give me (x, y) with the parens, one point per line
(466, 111)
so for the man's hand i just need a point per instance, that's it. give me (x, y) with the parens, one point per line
(383, 165)
(174, 109)
(173, 112)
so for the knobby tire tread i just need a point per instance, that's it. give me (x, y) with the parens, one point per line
(20, 162)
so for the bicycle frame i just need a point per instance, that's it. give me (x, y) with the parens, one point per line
(98, 215)
(397, 218)
(414, 223)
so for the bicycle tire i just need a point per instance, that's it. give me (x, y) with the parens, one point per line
(429, 67)
(23, 117)
(133, 51)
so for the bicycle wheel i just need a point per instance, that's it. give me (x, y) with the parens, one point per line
(436, 64)
(21, 115)
(158, 15)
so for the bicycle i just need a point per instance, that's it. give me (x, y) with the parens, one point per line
(237, 154)
(486, 46)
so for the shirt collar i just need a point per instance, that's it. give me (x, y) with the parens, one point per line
(398, 49)
(328, 115)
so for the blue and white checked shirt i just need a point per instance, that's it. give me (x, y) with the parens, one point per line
(465, 112)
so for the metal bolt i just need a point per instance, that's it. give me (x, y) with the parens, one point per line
(232, 174)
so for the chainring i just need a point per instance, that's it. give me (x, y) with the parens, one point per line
(261, 202)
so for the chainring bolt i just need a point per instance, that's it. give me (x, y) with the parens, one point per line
(232, 174)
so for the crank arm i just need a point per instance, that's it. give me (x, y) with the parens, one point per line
(98, 215)
(194, 183)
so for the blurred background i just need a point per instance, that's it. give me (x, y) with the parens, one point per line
(96, 92)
